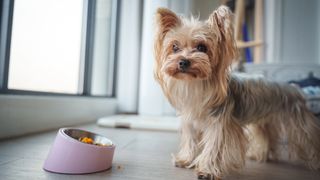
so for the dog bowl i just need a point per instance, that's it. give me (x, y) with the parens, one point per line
(68, 155)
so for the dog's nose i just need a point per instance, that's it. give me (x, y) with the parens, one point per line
(184, 64)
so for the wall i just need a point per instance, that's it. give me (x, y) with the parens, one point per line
(203, 9)
(299, 38)
(23, 114)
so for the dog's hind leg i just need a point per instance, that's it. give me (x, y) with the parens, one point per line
(303, 131)
(259, 142)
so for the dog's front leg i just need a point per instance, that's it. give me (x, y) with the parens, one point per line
(188, 145)
(224, 146)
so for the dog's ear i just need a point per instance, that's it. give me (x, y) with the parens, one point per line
(220, 21)
(166, 20)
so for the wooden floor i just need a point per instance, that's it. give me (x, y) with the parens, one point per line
(139, 155)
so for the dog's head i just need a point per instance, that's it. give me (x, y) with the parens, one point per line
(189, 49)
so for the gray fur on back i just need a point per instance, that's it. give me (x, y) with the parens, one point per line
(257, 98)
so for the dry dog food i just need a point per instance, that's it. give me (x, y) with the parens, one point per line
(90, 141)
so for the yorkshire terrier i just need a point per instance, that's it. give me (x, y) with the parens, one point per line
(226, 118)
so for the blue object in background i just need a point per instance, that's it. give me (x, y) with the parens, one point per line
(245, 34)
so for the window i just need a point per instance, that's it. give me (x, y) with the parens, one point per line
(45, 45)
(58, 46)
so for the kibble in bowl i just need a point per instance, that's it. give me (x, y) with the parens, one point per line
(89, 140)
(88, 137)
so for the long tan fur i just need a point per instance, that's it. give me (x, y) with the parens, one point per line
(225, 117)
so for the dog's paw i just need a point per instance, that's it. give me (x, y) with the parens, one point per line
(261, 156)
(182, 163)
(251, 157)
(206, 176)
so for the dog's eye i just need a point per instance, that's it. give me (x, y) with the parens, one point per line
(175, 48)
(202, 48)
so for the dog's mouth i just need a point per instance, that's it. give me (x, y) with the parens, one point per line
(186, 73)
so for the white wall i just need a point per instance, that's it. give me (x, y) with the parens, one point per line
(22, 114)
(272, 34)
(299, 31)
(203, 9)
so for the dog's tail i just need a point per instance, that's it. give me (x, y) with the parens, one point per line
(303, 132)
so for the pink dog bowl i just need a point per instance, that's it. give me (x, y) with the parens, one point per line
(70, 156)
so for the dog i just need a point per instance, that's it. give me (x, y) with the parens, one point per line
(226, 119)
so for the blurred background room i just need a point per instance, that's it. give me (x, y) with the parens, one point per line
(76, 62)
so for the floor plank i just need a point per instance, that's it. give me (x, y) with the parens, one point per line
(139, 155)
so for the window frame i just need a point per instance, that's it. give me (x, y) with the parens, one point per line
(86, 57)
